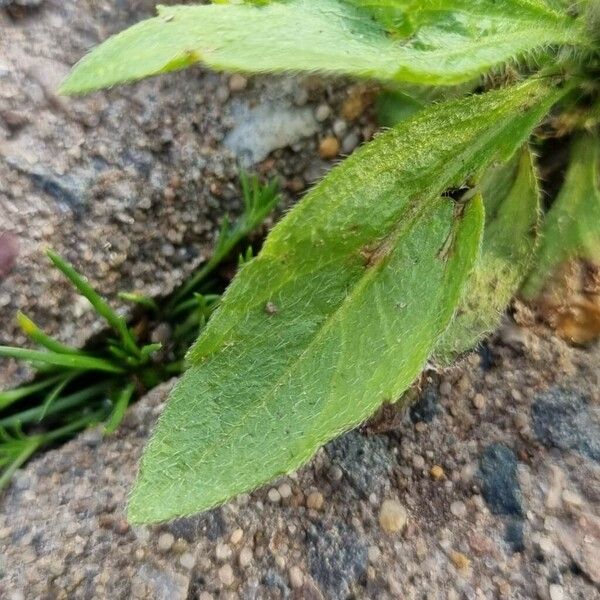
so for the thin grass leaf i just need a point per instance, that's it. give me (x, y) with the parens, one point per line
(54, 394)
(33, 332)
(100, 305)
(11, 396)
(259, 202)
(119, 408)
(78, 399)
(70, 361)
(14, 453)
(140, 299)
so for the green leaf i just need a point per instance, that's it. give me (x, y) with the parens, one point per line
(339, 311)
(464, 40)
(508, 246)
(572, 226)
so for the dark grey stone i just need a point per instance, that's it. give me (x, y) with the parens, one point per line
(514, 536)
(366, 461)
(427, 407)
(337, 559)
(563, 418)
(210, 525)
(499, 483)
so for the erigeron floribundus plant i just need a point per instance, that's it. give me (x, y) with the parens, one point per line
(378, 269)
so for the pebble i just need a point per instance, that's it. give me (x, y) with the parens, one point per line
(374, 554)
(437, 472)
(458, 509)
(556, 592)
(460, 561)
(226, 575)
(236, 536)
(393, 517)
(571, 499)
(418, 462)
(285, 490)
(315, 501)
(237, 82)
(329, 147)
(296, 577)
(479, 401)
(187, 561)
(335, 473)
(222, 94)
(350, 142)
(445, 388)
(223, 552)
(245, 557)
(165, 541)
(322, 113)
(274, 496)
(340, 127)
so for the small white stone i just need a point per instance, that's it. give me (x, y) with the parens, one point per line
(165, 541)
(285, 490)
(418, 462)
(237, 82)
(556, 592)
(273, 496)
(223, 552)
(479, 401)
(245, 557)
(236, 536)
(322, 113)
(458, 509)
(226, 575)
(296, 577)
(374, 554)
(187, 561)
(571, 499)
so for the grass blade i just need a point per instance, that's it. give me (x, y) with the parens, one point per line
(120, 406)
(33, 332)
(100, 305)
(70, 361)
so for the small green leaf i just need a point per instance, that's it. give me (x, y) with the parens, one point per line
(508, 246)
(455, 41)
(338, 312)
(571, 228)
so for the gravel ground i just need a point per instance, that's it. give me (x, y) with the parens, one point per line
(489, 487)
(131, 185)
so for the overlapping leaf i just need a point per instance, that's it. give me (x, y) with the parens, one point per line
(452, 41)
(339, 311)
(572, 226)
(511, 197)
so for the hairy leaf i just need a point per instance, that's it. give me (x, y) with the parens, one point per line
(508, 245)
(339, 311)
(459, 42)
(572, 226)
